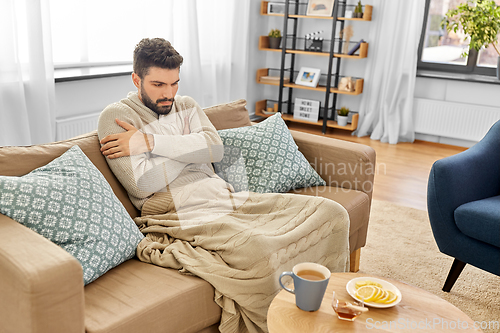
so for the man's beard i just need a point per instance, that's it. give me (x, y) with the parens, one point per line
(158, 109)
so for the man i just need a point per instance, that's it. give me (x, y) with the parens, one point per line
(160, 147)
(145, 136)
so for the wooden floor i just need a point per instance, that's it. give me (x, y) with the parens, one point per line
(402, 169)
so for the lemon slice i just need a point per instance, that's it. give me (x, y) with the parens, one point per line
(392, 297)
(379, 294)
(384, 297)
(371, 283)
(370, 291)
(360, 284)
(367, 293)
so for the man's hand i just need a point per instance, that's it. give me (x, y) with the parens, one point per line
(186, 126)
(131, 142)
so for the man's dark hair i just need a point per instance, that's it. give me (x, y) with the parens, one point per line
(155, 52)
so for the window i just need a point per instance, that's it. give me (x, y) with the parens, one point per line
(96, 32)
(440, 50)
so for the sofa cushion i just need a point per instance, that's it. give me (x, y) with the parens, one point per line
(69, 202)
(139, 297)
(264, 158)
(480, 220)
(228, 115)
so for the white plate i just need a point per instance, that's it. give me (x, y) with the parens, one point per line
(351, 289)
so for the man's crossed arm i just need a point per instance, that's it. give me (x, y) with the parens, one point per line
(130, 142)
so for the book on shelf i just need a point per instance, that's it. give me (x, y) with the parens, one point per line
(355, 47)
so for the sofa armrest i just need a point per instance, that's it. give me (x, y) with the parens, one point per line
(40, 283)
(340, 163)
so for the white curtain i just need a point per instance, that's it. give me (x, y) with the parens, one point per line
(211, 35)
(26, 73)
(213, 38)
(386, 111)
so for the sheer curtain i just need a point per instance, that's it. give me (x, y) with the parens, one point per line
(212, 36)
(26, 74)
(386, 111)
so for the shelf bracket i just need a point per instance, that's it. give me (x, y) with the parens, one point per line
(330, 65)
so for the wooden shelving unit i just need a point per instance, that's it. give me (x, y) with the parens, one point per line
(262, 105)
(333, 75)
(367, 14)
(358, 86)
(363, 50)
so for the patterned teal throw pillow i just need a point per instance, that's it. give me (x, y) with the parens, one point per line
(264, 158)
(69, 202)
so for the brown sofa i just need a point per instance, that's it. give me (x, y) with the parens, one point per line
(41, 285)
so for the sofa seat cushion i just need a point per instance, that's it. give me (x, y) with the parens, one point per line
(480, 220)
(356, 203)
(138, 297)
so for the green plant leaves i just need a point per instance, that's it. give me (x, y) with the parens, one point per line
(275, 33)
(480, 21)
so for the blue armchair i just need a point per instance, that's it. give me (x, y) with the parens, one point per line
(463, 202)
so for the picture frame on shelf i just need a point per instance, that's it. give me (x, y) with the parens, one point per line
(306, 109)
(320, 7)
(275, 8)
(308, 77)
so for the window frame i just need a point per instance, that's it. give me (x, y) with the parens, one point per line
(90, 64)
(470, 67)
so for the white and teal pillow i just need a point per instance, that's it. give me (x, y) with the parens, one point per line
(264, 158)
(69, 202)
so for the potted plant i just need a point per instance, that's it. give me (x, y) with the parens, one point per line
(342, 116)
(480, 21)
(274, 38)
(358, 10)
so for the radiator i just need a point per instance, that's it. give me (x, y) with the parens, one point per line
(453, 120)
(70, 127)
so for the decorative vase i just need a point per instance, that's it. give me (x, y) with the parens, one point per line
(498, 68)
(342, 120)
(274, 42)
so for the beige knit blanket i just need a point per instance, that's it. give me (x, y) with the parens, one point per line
(242, 252)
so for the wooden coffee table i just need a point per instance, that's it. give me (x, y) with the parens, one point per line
(418, 310)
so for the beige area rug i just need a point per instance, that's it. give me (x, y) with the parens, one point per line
(400, 245)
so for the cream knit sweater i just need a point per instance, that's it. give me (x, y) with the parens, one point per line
(176, 158)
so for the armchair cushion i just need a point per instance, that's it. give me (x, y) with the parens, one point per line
(69, 202)
(480, 220)
(264, 158)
